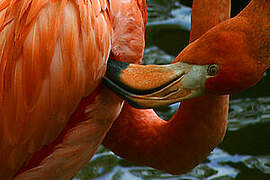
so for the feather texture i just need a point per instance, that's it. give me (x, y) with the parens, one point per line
(53, 56)
(53, 53)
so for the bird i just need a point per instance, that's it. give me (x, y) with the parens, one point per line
(229, 56)
(55, 110)
(178, 145)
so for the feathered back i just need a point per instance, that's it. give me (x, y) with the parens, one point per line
(52, 54)
(128, 19)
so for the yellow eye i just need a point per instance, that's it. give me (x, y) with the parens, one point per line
(213, 69)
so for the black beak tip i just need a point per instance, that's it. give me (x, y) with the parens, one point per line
(115, 69)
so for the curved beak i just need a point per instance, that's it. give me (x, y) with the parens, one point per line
(148, 86)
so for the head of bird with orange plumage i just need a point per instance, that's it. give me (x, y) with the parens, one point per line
(230, 57)
(236, 60)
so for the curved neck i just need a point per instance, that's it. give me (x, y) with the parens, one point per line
(193, 132)
(175, 146)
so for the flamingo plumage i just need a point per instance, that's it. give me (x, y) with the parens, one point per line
(53, 59)
(55, 110)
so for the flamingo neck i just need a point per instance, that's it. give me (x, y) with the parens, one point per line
(256, 23)
(198, 126)
(175, 146)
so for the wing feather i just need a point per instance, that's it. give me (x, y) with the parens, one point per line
(53, 53)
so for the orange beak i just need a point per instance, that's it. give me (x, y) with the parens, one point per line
(148, 86)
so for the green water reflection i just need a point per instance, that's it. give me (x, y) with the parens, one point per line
(245, 151)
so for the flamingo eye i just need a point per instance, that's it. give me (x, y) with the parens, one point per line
(213, 69)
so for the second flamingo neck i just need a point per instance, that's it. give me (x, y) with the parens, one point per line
(144, 137)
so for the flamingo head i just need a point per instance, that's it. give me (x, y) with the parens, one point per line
(236, 59)
(228, 58)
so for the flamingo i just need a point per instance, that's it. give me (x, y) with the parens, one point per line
(178, 145)
(55, 109)
(53, 60)
(236, 53)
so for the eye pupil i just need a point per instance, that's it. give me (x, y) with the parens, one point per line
(213, 69)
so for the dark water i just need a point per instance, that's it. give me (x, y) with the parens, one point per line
(245, 151)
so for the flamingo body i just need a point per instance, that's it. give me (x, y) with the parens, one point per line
(54, 55)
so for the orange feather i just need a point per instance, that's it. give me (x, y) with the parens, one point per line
(53, 58)
(53, 54)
